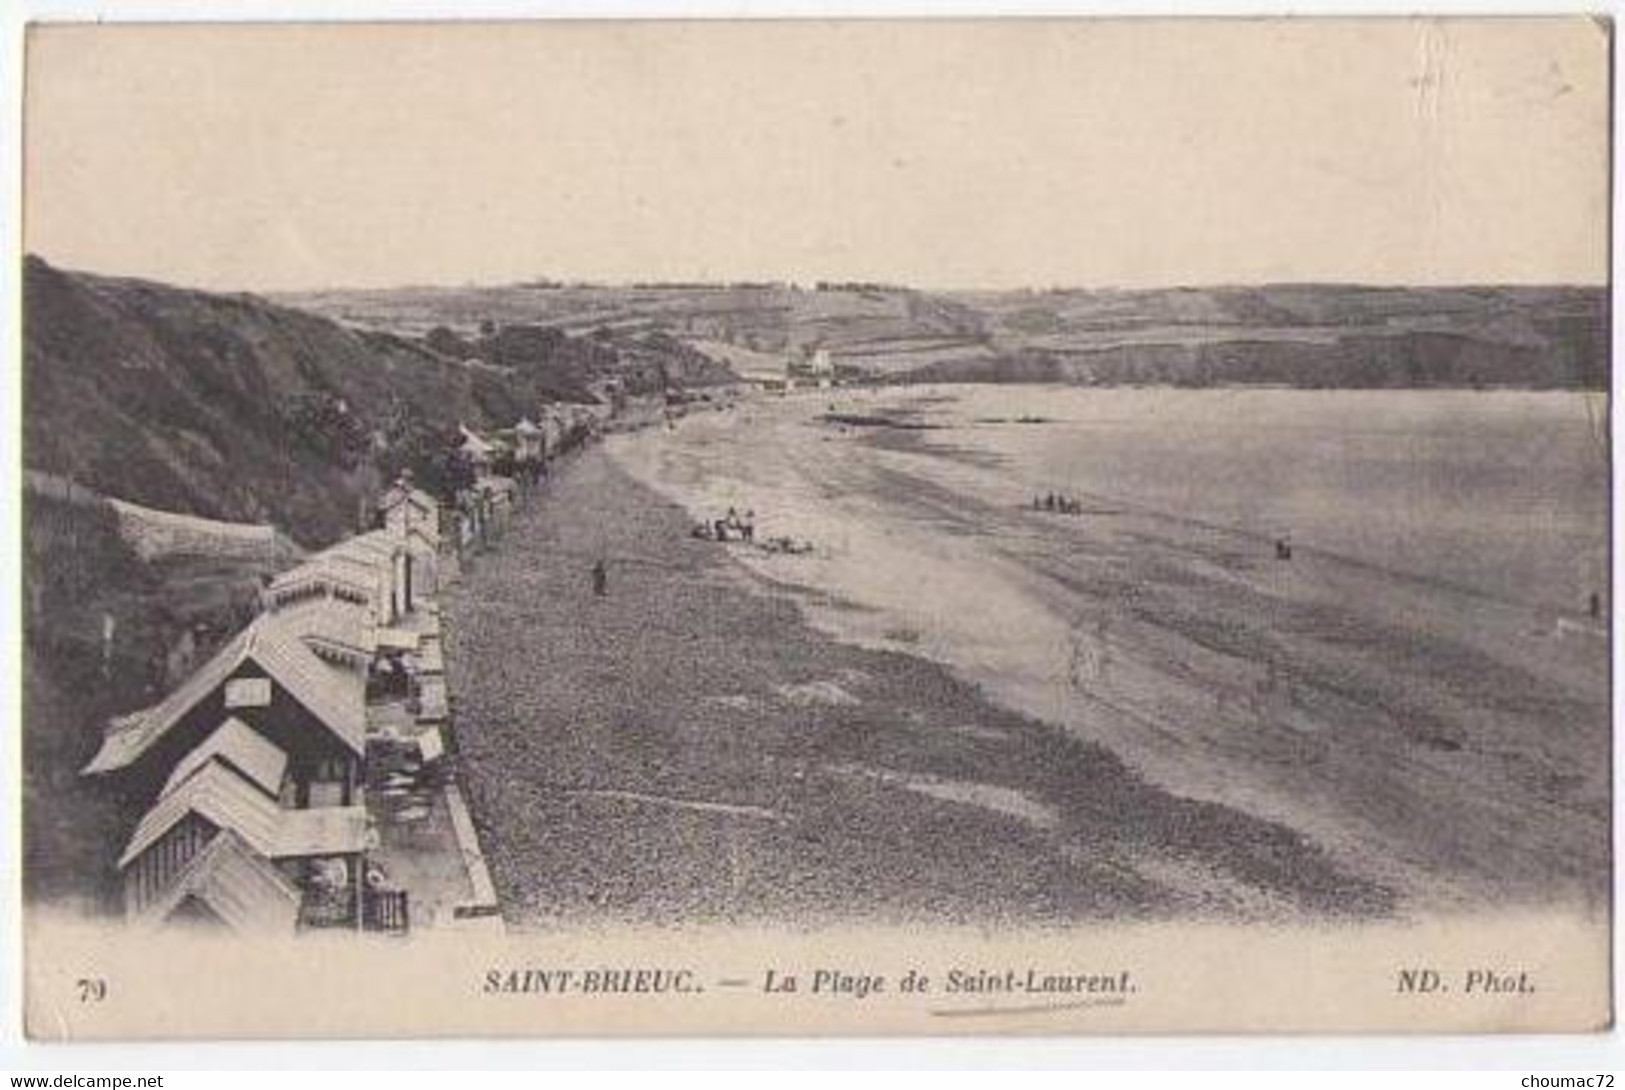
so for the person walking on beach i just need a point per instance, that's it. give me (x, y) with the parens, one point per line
(600, 578)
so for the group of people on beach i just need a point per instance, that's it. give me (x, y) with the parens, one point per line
(742, 528)
(732, 527)
(1058, 503)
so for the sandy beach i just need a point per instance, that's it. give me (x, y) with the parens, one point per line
(1444, 745)
(689, 748)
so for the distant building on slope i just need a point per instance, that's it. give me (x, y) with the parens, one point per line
(814, 366)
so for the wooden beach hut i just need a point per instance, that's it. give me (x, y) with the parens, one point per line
(317, 855)
(412, 517)
(269, 680)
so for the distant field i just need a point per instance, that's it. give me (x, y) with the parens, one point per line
(1316, 335)
(692, 311)
(745, 362)
(902, 356)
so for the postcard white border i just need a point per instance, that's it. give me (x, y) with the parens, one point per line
(1604, 1052)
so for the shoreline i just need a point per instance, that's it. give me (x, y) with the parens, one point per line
(1443, 746)
(689, 748)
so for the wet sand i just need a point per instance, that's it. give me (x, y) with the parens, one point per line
(1443, 745)
(689, 748)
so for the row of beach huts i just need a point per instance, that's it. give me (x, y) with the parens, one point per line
(264, 777)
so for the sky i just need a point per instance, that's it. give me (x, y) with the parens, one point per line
(946, 154)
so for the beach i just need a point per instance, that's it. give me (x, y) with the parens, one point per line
(955, 707)
(1441, 735)
(688, 748)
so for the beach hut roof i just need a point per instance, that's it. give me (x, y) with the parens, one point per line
(240, 747)
(370, 555)
(403, 491)
(339, 571)
(331, 625)
(227, 800)
(332, 620)
(222, 797)
(332, 696)
(361, 564)
(246, 891)
(374, 546)
(475, 442)
(425, 526)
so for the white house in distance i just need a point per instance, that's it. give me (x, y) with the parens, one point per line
(816, 367)
(822, 367)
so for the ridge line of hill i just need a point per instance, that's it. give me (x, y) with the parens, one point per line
(233, 408)
(243, 408)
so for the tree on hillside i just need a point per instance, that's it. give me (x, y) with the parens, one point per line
(433, 454)
(326, 424)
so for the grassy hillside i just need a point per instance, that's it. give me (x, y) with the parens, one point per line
(196, 403)
(1300, 335)
(82, 575)
(233, 407)
(1405, 359)
(1305, 334)
(758, 313)
(240, 408)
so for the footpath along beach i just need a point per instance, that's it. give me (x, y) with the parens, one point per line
(685, 747)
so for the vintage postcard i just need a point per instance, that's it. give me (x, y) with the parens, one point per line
(1069, 526)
